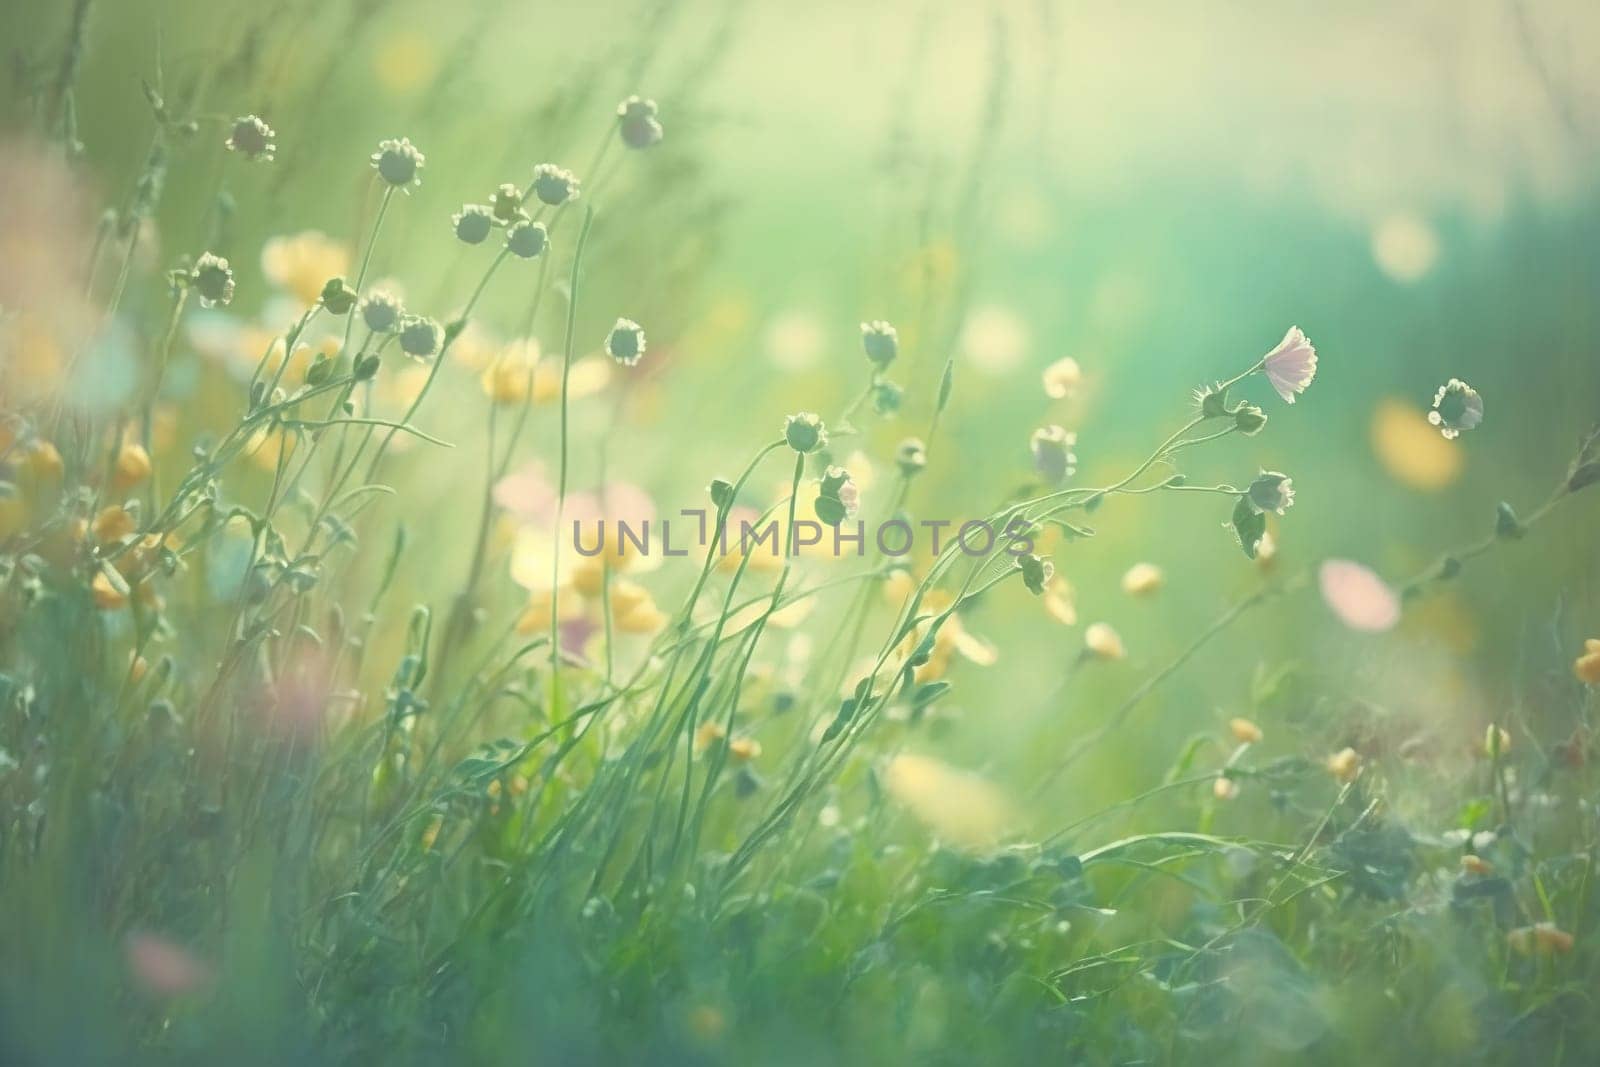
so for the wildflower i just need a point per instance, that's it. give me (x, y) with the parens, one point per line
(1360, 599)
(1546, 939)
(1344, 765)
(1496, 741)
(132, 466)
(707, 736)
(887, 397)
(1271, 491)
(253, 139)
(637, 122)
(1057, 601)
(1244, 731)
(1102, 642)
(1472, 863)
(44, 460)
(880, 341)
(398, 163)
(138, 667)
(911, 456)
(1142, 579)
(625, 342)
(1036, 572)
(212, 279)
(1249, 419)
(113, 524)
(337, 297)
(633, 610)
(744, 749)
(527, 240)
(162, 967)
(107, 596)
(1224, 788)
(382, 312)
(1405, 443)
(1053, 457)
(419, 337)
(964, 809)
(506, 203)
(472, 223)
(804, 432)
(302, 262)
(554, 185)
(1456, 407)
(1061, 378)
(1291, 366)
(1587, 665)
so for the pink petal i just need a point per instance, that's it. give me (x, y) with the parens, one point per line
(1360, 599)
(163, 967)
(527, 494)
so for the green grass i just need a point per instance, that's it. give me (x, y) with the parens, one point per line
(312, 749)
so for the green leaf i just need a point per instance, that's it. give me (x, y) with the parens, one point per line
(927, 694)
(1250, 525)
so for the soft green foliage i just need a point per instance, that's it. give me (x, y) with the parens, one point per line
(322, 738)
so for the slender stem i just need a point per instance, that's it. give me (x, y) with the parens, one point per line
(561, 484)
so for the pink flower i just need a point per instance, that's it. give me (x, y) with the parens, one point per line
(162, 967)
(1360, 599)
(1291, 366)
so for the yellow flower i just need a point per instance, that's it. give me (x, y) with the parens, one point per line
(1142, 579)
(744, 749)
(44, 460)
(708, 735)
(137, 668)
(1411, 450)
(1224, 788)
(1244, 731)
(106, 595)
(1344, 765)
(1103, 642)
(268, 448)
(962, 808)
(633, 611)
(1587, 665)
(132, 467)
(302, 263)
(113, 524)
(405, 61)
(1543, 938)
(1057, 600)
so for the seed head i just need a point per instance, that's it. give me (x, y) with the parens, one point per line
(880, 341)
(554, 185)
(637, 122)
(419, 337)
(527, 240)
(398, 163)
(1457, 407)
(507, 204)
(804, 432)
(1053, 457)
(381, 312)
(472, 223)
(338, 297)
(253, 139)
(212, 279)
(625, 342)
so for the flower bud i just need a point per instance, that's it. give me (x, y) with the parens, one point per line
(212, 279)
(804, 432)
(381, 312)
(1271, 491)
(721, 491)
(419, 337)
(337, 297)
(554, 185)
(253, 139)
(366, 368)
(527, 240)
(1053, 457)
(507, 203)
(625, 342)
(887, 397)
(1249, 419)
(637, 123)
(398, 163)
(880, 342)
(472, 224)
(1213, 403)
(911, 456)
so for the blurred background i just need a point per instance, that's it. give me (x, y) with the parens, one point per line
(1156, 191)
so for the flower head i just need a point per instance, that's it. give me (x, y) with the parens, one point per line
(1053, 457)
(1456, 407)
(554, 185)
(1061, 378)
(911, 456)
(1587, 665)
(337, 296)
(1142, 579)
(507, 203)
(881, 342)
(637, 122)
(472, 223)
(804, 432)
(212, 279)
(527, 240)
(1271, 491)
(303, 262)
(398, 163)
(1244, 731)
(1344, 764)
(1102, 642)
(1360, 599)
(253, 139)
(1291, 366)
(419, 337)
(381, 311)
(625, 342)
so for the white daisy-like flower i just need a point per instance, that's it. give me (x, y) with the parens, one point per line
(1291, 366)
(1456, 407)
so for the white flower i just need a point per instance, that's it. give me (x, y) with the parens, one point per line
(1061, 378)
(1456, 407)
(1291, 366)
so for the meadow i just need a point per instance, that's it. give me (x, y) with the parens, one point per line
(718, 533)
